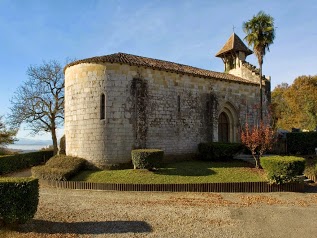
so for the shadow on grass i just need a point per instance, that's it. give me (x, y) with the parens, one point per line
(185, 172)
(185, 168)
(98, 227)
(82, 175)
(231, 163)
(200, 168)
(188, 168)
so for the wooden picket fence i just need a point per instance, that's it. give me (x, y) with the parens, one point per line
(237, 187)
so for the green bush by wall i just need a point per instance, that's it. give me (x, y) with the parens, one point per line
(19, 199)
(11, 163)
(147, 158)
(217, 151)
(283, 169)
(59, 167)
(303, 143)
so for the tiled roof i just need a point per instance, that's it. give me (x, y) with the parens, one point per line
(234, 43)
(123, 58)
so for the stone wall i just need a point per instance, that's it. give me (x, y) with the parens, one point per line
(146, 108)
(84, 131)
(248, 71)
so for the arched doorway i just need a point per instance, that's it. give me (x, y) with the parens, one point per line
(228, 124)
(223, 128)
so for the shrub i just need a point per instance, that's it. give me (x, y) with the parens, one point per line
(11, 163)
(59, 167)
(47, 173)
(311, 167)
(5, 151)
(311, 171)
(19, 199)
(147, 158)
(303, 143)
(65, 162)
(216, 151)
(283, 169)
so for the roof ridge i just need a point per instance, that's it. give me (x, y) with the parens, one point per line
(135, 60)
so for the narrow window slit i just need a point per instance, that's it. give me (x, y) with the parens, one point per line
(102, 106)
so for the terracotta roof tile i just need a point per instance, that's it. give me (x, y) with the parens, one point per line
(234, 43)
(123, 58)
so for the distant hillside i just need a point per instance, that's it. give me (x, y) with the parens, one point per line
(27, 141)
(28, 145)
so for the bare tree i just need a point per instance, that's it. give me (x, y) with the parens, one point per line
(39, 102)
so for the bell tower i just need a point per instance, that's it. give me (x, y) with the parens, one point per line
(233, 53)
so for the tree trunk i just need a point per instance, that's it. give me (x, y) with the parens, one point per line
(54, 138)
(261, 99)
(257, 161)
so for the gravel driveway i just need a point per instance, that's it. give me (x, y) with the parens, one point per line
(79, 213)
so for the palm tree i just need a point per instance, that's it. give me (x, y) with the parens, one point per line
(260, 35)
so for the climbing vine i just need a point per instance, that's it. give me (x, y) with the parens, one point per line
(139, 93)
(211, 113)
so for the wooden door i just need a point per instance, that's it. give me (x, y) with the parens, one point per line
(223, 128)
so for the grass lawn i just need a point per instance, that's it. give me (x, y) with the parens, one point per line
(180, 172)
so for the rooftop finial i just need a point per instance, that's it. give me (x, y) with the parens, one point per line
(233, 28)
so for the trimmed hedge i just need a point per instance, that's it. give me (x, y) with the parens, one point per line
(218, 151)
(283, 169)
(59, 167)
(303, 143)
(146, 158)
(11, 163)
(19, 199)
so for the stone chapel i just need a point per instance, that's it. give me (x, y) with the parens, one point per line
(119, 102)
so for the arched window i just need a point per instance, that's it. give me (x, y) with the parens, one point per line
(223, 128)
(102, 106)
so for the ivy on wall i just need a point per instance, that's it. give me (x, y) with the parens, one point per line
(211, 113)
(139, 93)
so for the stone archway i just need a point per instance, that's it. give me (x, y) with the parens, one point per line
(228, 124)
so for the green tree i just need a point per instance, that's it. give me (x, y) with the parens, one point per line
(296, 105)
(301, 98)
(7, 136)
(39, 102)
(260, 35)
(278, 105)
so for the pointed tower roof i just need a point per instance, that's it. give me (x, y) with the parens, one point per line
(234, 44)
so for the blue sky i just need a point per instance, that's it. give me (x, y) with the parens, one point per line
(188, 32)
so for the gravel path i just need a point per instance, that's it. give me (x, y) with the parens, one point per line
(79, 213)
